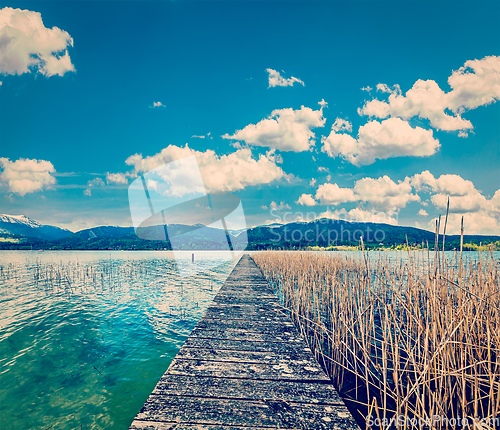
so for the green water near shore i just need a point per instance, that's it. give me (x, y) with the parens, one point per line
(85, 336)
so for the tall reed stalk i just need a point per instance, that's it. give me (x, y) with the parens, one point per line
(399, 339)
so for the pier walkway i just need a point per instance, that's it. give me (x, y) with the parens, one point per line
(244, 366)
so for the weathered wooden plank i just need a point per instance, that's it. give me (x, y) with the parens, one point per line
(245, 315)
(229, 412)
(241, 334)
(294, 355)
(244, 345)
(271, 308)
(283, 371)
(263, 326)
(247, 389)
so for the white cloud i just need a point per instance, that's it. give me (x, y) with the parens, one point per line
(230, 172)
(453, 185)
(360, 215)
(367, 88)
(475, 84)
(396, 89)
(392, 137)
(26, 45)
(322, 169)
(322, 103)
(341, 125)
(202, 136)
(312, 182)
(276, 80)
(279, 207)
(284, 129)
(332, 194)
(117, 178)
(382, 193)
(25, 176)
(482, 215)
(96, 182)
(306, 200)
(157, 104)
(423, 212)
(481, 222)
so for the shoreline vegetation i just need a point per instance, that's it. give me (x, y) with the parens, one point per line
(417, 339)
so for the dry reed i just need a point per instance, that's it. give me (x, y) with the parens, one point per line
(412, 339)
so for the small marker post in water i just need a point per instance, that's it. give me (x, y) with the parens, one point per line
(192, 258)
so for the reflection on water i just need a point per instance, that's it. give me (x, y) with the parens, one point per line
(86, 335)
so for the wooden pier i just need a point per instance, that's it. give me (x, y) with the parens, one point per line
(244, 366)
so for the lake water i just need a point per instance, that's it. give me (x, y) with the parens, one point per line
(86, 335)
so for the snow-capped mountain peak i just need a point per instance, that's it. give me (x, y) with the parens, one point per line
(19, 219)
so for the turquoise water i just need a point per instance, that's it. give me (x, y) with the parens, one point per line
(86, 335)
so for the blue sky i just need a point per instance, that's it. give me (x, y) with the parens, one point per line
(208, 64)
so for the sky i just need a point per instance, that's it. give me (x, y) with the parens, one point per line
(372, 111)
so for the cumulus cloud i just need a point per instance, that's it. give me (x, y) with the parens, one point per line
(464, 197)
(341, 125)
(312, 182)
(332, 194)
(482, 222)
(230, 172)
(392, 137)
(116, 178)
(382, 193)
(26, 45)
(25, 176)
(481, 215)
(306, 200)
(361, 215)
(279, 207)
(276, 80)
(96, 182)
(453, 185)
(157, 104)
(475, 84)
(367, 88)
(396, 89)
(284, 129)
(322, 103)
(423, 212)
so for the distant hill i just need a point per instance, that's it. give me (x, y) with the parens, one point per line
(21, 225)
(24, 233)
(327, 232)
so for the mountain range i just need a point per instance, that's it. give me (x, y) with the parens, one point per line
(21, 232)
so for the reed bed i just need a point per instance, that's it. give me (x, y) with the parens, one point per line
(409, 344)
